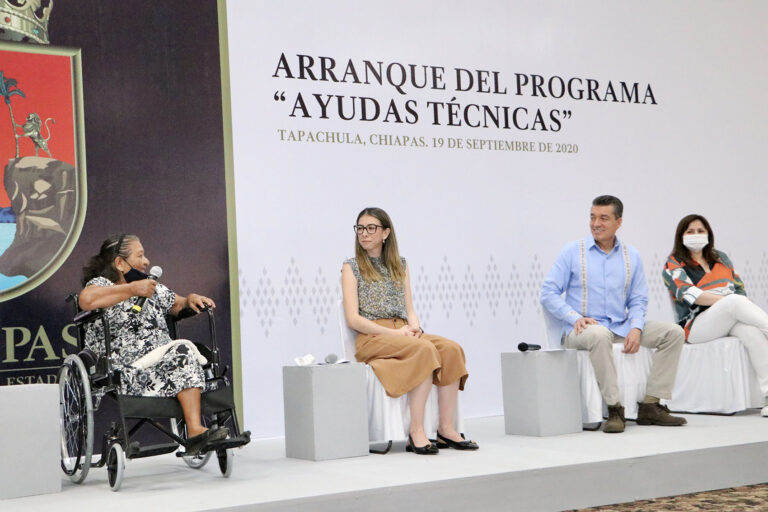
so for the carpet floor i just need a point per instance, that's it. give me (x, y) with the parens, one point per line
(741, 499)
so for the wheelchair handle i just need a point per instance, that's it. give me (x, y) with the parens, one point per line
(188, 312)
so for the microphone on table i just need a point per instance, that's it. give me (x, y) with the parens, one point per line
(154, 273)
(524, 347)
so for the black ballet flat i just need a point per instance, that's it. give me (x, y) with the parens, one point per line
(444, 442)
(427, 449)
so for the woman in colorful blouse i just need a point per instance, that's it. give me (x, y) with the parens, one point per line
(710, 298)
(378, 305)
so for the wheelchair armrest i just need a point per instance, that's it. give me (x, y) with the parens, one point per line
(186, 313)
(84, 317)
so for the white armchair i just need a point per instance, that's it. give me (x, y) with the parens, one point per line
(714, 377)
(389, 418)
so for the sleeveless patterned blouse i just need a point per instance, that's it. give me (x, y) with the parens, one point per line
(379, 299)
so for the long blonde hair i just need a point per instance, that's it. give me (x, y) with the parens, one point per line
(390, 254)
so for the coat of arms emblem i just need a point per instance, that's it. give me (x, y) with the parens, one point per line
(42, 164)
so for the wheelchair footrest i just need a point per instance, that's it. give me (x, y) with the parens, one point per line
(224, 444)
(232, 442)
(136, 451)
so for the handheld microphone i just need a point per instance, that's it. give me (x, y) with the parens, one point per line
(155, 273)
(524, 347)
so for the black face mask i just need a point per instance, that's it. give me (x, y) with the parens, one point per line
(134, 275)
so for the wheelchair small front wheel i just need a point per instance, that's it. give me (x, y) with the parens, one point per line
(197, 461)
(75, 418)
(115, 466)
(225, 457)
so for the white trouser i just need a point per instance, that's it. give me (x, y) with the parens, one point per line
(738, 316)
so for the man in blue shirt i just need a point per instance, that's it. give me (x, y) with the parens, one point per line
(606, 298)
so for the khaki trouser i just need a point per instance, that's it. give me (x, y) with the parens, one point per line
(667, 338)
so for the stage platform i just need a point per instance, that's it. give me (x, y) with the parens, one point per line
(507, 473)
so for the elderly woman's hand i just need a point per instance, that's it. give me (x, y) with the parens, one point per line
(143, 288)
(198, 302)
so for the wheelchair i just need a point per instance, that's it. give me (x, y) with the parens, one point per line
(86, 380)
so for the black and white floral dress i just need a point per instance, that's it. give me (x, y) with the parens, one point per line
(136, 334)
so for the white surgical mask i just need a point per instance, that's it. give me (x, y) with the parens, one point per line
(695, 242)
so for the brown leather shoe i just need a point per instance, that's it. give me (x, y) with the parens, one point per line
(616, 421)
(657, 414)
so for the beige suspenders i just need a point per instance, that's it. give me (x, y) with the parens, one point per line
(628, 271)
(583, 268)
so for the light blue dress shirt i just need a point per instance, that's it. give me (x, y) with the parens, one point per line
(615, 301)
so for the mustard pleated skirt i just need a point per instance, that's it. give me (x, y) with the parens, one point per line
(403, 362)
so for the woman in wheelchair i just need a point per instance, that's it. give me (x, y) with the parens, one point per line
(149, 362)
(378, 305)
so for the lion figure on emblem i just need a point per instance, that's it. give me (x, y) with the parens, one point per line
(33, 129)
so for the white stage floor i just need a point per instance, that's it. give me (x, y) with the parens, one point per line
(507, 473)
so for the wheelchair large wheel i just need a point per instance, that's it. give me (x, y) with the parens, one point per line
(179, 428)
(115, 466)
(75, 418)
(225, 461)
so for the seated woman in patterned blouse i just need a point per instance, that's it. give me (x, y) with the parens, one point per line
(114, 280)
(378, 305)
(710, 298)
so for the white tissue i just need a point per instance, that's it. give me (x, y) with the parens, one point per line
(304, 360)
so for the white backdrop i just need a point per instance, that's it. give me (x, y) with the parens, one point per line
(481, 228)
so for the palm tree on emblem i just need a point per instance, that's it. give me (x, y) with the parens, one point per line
(7, 89)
